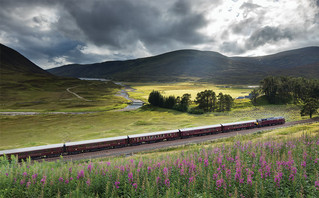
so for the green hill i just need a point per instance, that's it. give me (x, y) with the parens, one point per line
(201, 65)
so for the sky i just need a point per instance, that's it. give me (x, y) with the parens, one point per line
(57, 32)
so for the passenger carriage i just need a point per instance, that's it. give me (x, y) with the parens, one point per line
(239, 125)
(34, 152)
(153, 137)
(203, 130)
(96, 144)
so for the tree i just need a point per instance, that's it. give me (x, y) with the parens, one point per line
(221, 102)
(156, 99)
(229, 101)
(185, 101)
(170, 102)
(310, 107)
(253, 96)
(205, 100)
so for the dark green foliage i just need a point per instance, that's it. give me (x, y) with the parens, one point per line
(206, 100)
(310, 107)
(156, 99)
(229, 102)
(253, 96)
(169, 102)
(281, 90)
(196, 110)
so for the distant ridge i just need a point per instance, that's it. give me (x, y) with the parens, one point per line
(13, 61)
(201, 65)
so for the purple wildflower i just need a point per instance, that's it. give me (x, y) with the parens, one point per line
(7, 174)
(303, 164)
(134, 185)
(158, 179)
(61, 179)
(80, 174)
(317, 185)
(219, 183)
(88, 182)
(43, 180)
(167, 183)
(90, 167)
(165, 171)
(22, 181)
(117, 184)
(66, 181)
(25, 174)
(28, 184)
(191, 179)
(130, 176)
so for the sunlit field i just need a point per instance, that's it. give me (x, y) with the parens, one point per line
(269, 164)
(178, 89)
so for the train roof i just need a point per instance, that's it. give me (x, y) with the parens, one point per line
(271, 118)
(236, 123)
(95, 141)
(154, 133)
(28, 149)
(201, 127)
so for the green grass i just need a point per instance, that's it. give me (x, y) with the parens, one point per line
(50, 94)
(178, 89)
(19, 131)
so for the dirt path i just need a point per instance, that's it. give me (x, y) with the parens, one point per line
(78, 96)
(154, 146)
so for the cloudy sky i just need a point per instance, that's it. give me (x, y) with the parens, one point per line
(58, 32)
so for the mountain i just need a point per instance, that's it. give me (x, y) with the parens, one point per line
(200, 65)
(12, 61)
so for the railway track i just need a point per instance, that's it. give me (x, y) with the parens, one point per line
(130, 150)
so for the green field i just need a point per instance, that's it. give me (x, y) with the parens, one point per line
(50, 94)
(178, 89)
(25, 131)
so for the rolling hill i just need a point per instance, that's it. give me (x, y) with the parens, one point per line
(201, 65)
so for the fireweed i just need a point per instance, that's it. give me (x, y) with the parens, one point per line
(288, 168)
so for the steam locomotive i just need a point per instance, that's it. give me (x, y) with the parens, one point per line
(130, 140)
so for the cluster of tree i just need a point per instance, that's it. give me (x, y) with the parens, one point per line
(179, 103)
(207, 101)
(282, 90)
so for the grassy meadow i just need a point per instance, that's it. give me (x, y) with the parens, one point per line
(33, 130)
(42, 94)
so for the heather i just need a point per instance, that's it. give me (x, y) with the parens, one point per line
(287, 167)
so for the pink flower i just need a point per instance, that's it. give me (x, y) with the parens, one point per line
(130, 176)
(303, 164)
(28, 184)
(66, 181)
(117, 184)
(317, 185)
(191, 179)
(7, 174)
(80, 174)
(167, 183)
(165, 171)
(61, 179)
(90, 167)
(88, 182)
(134, 185)
(43, 180)
(25, 174)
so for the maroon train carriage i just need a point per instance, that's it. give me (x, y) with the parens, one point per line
(270, 121)
(96, 144)
(153, 137)
(203, 130)
(239, 125)
(34, 152)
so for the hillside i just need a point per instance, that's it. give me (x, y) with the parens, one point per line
(12, 61)
(201, 65)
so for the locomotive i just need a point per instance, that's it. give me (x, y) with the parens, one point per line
(68, 148)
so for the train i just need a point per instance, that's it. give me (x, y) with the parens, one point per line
(70, 148)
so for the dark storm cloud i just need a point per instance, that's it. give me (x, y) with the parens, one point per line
(118, 23)
(268, 35)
